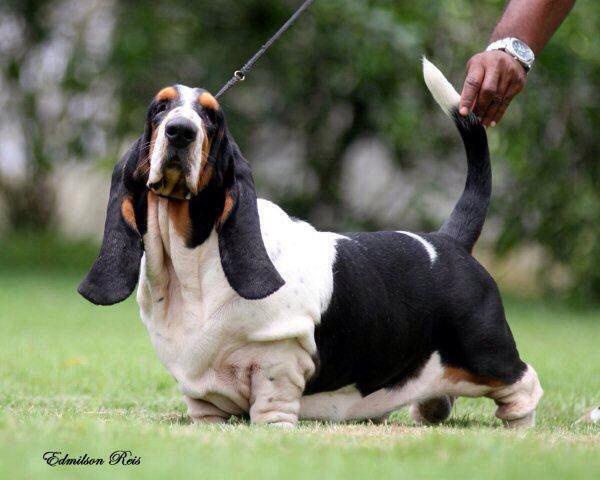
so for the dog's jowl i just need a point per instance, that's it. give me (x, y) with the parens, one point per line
(255, 312)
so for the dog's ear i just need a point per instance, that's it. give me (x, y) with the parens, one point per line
(244, 258)
(114, 274)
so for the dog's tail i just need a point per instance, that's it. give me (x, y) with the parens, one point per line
(467, 218)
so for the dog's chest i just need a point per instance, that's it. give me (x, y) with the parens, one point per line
(179, 295)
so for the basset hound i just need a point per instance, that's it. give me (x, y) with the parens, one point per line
(256, 313)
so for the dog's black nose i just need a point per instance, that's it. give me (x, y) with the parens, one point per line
(181, 132)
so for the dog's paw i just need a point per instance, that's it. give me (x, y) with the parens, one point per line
(209, 420)
(528, 421)
(283, 425)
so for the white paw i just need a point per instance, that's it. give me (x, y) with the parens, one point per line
(286, 425)
(528, 421)
(208, 420)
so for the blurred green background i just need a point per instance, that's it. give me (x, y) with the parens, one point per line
(335, 120)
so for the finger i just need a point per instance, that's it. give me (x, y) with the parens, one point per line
(514, 88)
(510, 94)
(490, 113)
(488, 91)
(497, 102)
(471, 88)
(500, 112)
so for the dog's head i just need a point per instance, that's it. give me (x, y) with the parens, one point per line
(187, 155)
(180, 127)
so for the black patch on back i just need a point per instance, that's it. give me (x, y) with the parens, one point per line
(391, 309)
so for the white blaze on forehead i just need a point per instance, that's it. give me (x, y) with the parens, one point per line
(188, 97)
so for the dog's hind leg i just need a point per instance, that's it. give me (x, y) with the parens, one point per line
(517, 401)
(432, 411)
(486, 355)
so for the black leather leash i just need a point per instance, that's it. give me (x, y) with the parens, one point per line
(240, 75)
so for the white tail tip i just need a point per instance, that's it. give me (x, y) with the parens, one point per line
(442, 90)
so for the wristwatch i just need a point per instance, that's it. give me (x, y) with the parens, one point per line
(516, 48)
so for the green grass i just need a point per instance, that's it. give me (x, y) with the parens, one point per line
(83, 379)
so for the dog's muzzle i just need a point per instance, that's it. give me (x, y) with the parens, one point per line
(180, 132)
(177, 156)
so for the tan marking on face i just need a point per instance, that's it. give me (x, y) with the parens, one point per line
(456, 375)
(227, 208)
(128, 213)
(167, 93)
(208, 101)
(179, 215)
(206, 143)
(207, 169)
(205, 176)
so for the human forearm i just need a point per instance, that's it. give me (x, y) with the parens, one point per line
(532, 21)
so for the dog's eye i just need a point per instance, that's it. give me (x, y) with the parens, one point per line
(161, 107)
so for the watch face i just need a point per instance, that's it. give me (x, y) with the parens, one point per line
(522, 50)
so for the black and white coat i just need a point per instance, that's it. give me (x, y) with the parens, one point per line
(254, 312)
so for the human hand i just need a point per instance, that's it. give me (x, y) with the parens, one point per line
(493, 80)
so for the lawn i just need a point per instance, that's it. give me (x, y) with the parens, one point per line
(82, 379)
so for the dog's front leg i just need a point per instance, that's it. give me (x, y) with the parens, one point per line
(275, 397)
(276, 388)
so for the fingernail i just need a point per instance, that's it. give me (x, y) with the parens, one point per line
(493, 124)
(464, 111)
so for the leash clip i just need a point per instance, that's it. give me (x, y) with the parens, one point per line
(240, 75)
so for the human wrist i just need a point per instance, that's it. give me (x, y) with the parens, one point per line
(516, 48)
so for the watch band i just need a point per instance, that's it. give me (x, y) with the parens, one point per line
(506, 45)
(497, 45)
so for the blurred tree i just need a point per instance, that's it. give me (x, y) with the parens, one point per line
(53, 81)
(31, 209)
(350, 68)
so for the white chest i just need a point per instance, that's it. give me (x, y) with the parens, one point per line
(174, 294)
(201, 329)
